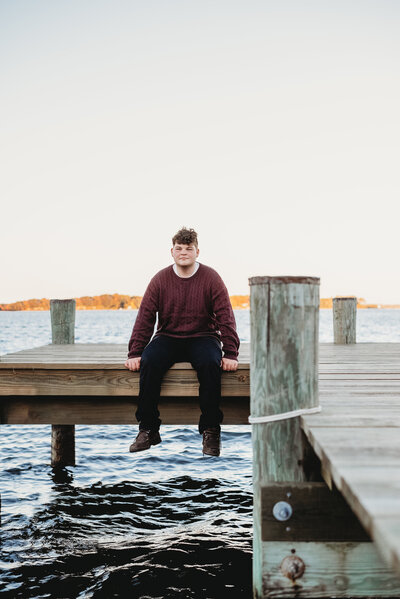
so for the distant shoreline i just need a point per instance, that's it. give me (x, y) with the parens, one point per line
(116, 301)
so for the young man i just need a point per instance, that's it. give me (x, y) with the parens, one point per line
(194, 316)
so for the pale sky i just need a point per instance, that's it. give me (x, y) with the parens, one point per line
(272, 128)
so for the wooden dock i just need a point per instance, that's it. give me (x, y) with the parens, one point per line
(356, 436)
(89, 384)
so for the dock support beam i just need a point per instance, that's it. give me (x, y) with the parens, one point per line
(62, 314)
(344, 311)
(62, 445)
(284, 316)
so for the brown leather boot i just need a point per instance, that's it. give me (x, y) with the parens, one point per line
(211, 442)
(145, 440)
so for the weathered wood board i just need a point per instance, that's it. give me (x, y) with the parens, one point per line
(89, 355)
(110, 410)
(357, 436)
(331, 570)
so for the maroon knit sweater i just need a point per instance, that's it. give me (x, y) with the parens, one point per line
(195, 306)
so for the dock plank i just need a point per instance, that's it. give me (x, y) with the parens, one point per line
(110, 382)
(357, 436)
(89, 355)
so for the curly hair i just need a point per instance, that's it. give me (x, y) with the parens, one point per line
(186, 236)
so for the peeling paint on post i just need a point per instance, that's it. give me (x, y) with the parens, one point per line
(284, 315)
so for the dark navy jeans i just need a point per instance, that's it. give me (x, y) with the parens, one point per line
(204, 354)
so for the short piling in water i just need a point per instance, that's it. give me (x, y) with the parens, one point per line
(62, 445)
(344, 311)
(62, 314)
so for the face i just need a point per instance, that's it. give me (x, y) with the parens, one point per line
(184, 255)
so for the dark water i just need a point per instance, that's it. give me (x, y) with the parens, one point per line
(169, 522)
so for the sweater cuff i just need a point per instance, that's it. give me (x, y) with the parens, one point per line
(231, 357)
(135, 355)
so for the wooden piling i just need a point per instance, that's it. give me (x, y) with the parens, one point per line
(344, 319)
(307, 541)
(62, 313)
(62, 332)
(62, 445)
(284, 314)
